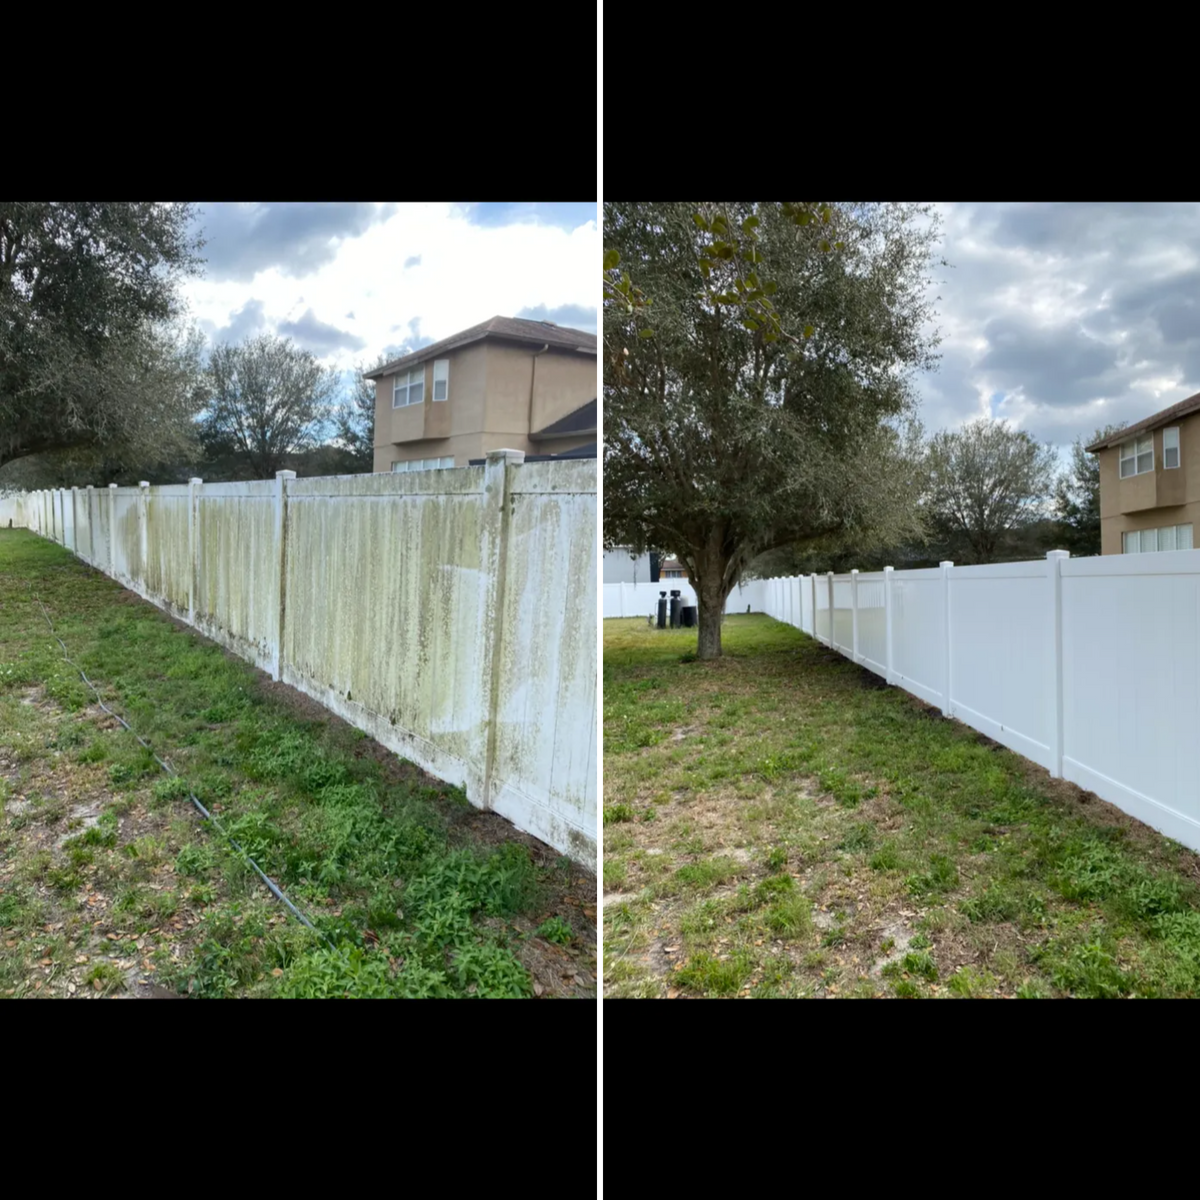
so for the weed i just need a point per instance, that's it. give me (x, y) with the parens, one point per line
(556, 930)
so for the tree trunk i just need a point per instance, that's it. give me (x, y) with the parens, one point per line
(710, 599)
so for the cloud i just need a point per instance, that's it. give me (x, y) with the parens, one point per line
(319, 337)
(1062, 318)
(574, 315)
(349, 316)
(246, 322)
(414, 261)
(466, 274)
(565, 215)
(244, 239)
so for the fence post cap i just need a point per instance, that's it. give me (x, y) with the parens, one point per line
(113, 486)
(945, 564)
(512, 456)
(195, 480)
(853, 570)
(1058, 554)
(143, 483)
(887, 569)
(285, 474)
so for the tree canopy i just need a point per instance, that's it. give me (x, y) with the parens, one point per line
(268, 399)
(986, 481)
(85, 290)
(1077, 496)
(727, 436)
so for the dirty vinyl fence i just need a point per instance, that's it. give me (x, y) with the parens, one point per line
(450, 614)
(1088, 666)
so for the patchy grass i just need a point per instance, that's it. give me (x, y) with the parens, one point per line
(816, 834)
(111, 885)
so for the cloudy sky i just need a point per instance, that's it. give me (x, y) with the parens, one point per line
(1066, 317)
(349, 281)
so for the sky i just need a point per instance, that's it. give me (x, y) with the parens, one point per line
(349, 281)
(1062, 318)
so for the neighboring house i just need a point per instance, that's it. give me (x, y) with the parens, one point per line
(623, 566)
(505, 384)
(1150, 482)
(673, 569)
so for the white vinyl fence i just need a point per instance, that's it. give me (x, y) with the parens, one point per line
(1089, 666)
(417, 606)
(641, 599)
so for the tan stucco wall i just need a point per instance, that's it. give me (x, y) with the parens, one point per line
(1156, 498)
(488, 406)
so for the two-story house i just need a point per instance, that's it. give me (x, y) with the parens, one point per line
(1150, 482)
(505, 384)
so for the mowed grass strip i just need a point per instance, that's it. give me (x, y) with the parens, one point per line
(780, 823)
(422, 895)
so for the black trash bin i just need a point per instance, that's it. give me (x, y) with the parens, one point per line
(687, 616)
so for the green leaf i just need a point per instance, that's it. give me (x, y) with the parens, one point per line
(700, 221)
(611, 258)
(645, 333)
(750, 223)
(770, 287)
(750, 324)
(840, 245)
(752, 279)
(770, 337)
(809, 331)
(824, 245)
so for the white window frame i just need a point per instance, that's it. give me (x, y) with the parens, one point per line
(441, 374)
(1133, 451)
(1170, 442)
(404, 382)
(1178, 536)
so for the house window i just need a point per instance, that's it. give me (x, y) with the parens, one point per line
(1171, 447)
(441, 378)
(1137, 456)
(1145, 541)
(408, 388)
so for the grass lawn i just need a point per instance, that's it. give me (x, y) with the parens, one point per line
(112, 885)
(780, 823)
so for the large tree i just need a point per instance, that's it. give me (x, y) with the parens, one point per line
(268, 399)
(159, 375)
(1077, 496)
(727, 435)
(82, 287)
(987, 481)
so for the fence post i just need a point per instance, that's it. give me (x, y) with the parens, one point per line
(829, 580)
(946, 567)
(622, 595)
(194, 486)
(813, 581)
(112, 526)
(887, 622)
(91, 495)
(74, 547)
(494, 560)
(854, 613)
(143, 528)
(281, 494)
(1054, 572)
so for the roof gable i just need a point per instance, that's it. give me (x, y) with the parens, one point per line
(1182, 409)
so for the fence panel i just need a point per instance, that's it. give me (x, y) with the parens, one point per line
(1131, 685)
(1001, 654)
(918, 633)
(872, 623)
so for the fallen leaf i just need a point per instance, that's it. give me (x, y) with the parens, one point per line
(537, 988)
(10, 944)
(71, 988)
(277, 971)
(81, 958)
(37, 987)
(672, 993)
(98, 984)
(140, 943)
(45, 962)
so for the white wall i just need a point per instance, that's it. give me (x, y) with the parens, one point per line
(1090, 667)
(417, 606)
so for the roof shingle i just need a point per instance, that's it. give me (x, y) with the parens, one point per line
(582, 420)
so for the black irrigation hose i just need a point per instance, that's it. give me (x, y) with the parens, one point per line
(166, 766)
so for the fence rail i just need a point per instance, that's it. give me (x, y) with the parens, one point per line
(416, 606)
(1090, 667)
